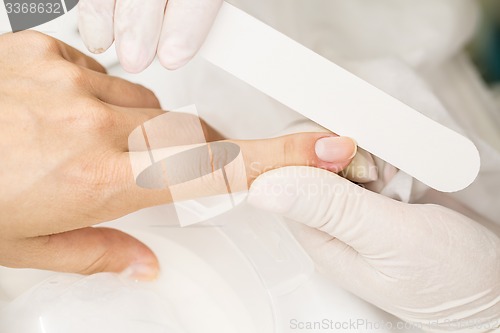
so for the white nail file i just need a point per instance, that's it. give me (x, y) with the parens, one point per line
(339, 101)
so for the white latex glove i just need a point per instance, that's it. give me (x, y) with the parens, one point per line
(423, 263)
(144, 28)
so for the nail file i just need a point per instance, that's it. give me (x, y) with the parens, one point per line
(324, 92)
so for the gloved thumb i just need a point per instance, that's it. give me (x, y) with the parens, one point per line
(325, 201)
(89, 251)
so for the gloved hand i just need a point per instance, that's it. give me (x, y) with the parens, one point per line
(425, 264)
(144, 28)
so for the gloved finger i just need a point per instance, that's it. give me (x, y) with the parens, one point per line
(55, 49)
(362, 168)
(95, 23)
(258, 156)
(127, 119)
(332, 256)
(366, 221)
(185, 27)
(120, 92)
(86, 251)
(137, 31)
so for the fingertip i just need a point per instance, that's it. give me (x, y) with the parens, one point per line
(145, 265)
(299, 149)
(174, 54)
(137, 29)
(133, 57)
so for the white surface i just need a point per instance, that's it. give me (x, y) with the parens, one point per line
(332, 97)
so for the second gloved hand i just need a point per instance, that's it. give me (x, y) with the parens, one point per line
(175, 30)
(425, 264)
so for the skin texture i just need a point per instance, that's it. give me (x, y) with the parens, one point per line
(426, 264)
(66, 164)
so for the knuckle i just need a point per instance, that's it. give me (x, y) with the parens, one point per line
(91, 116)
(65, 75)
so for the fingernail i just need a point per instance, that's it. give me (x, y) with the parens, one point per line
(141, 272)
(335, 149)
(272, 196)
(133, 56)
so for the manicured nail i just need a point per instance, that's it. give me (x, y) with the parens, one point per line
(141, 272)
(335, 149)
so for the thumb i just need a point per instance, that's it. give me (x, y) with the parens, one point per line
(366, 221)
(89, 251)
